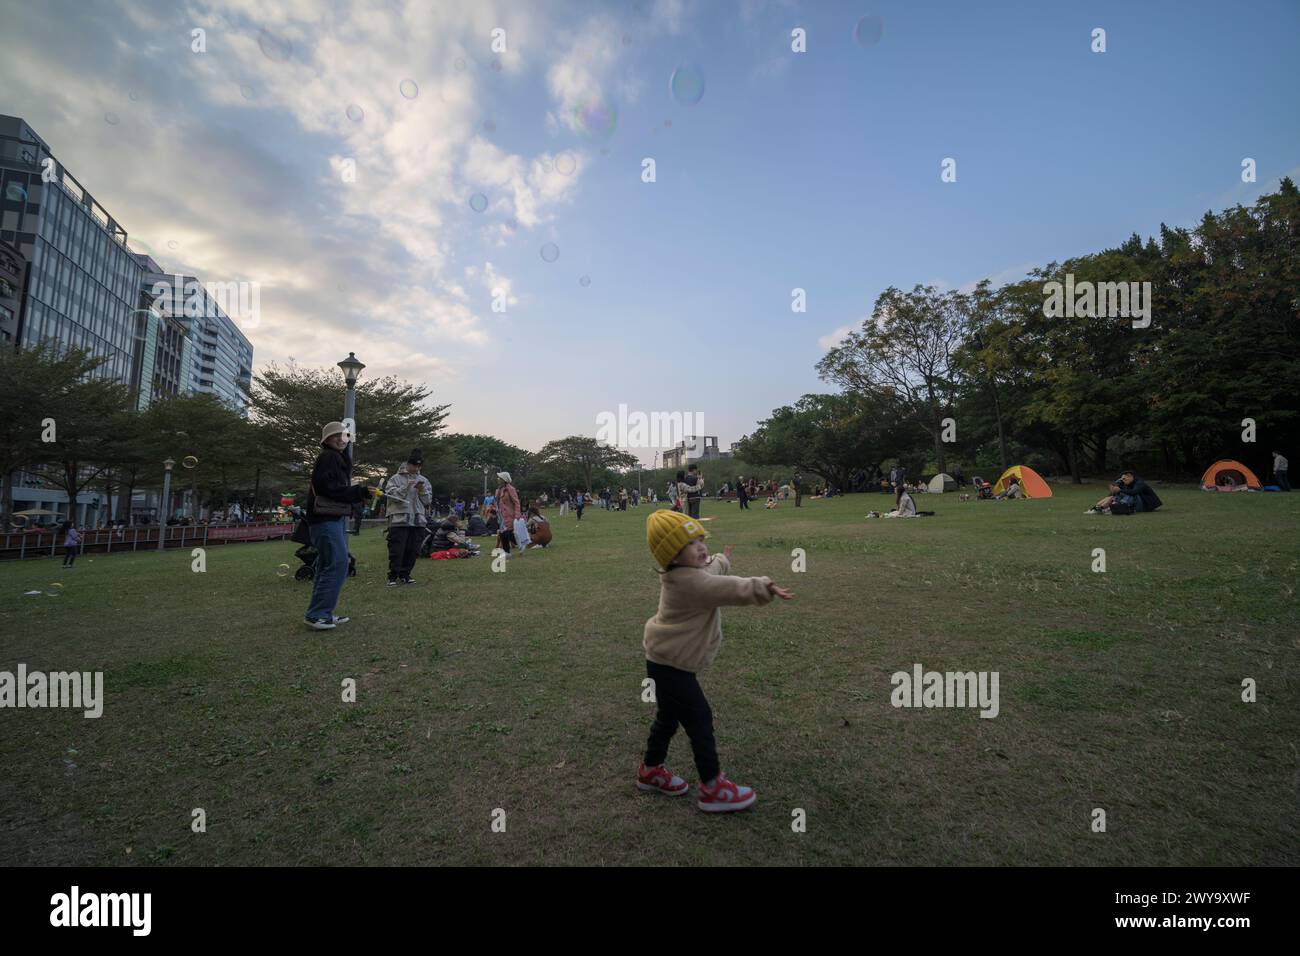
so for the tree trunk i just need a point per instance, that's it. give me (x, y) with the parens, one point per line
(1002, 437)
(936, 427)
(1099, 458)
(7, 497)
(1072, 456)
(257, 486)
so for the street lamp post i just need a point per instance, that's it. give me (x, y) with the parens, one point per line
(352, 367)
(164, 508)
(485, 474)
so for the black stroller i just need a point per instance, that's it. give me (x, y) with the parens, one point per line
(308, 555)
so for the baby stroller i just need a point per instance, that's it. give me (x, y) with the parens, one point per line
(982, 488)
(308, 555)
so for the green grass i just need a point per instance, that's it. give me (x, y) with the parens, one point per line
(522, 691)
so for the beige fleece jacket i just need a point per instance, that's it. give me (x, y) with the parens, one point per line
(687, 631)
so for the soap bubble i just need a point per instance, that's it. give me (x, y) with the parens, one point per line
(478, 202)
(512, 223)
(274, 48)
(584, 281)
(490, 126)
(282, 570)
(189, 461)
(409, 89)
(355, 113)
(55, 589)
(868, 30)
(247, 92)
(459, 64)
(172, 244)
(687, 84)
(596, 118)
(496, 65)
(133, 96)
(111, 119)
(550, 252)
(565, 164)
(16, 191)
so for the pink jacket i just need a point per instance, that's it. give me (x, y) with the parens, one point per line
(507, 506)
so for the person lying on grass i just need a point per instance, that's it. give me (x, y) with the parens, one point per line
(682, 638)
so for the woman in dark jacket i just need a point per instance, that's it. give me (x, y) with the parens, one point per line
(331, 483)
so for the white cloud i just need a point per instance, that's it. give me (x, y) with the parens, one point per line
(832, 339)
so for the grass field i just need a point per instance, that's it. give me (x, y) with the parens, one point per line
(522, 691)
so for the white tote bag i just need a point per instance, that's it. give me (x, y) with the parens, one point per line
(521, 532)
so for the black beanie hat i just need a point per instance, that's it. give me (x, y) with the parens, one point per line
(417, 456)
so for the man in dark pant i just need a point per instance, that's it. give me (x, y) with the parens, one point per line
(403, 549)
(681, 703)
(798, 490)
(741, 494)
(1280, 466)
(696, 481)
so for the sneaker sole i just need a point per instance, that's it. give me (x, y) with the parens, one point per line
(727, 807)
(651, 788)
(321, 627)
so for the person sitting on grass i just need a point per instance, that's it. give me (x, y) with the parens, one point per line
(904, 506)
(1013, 490)
(539, 529)
(682, 639)
(771, 502)
(1129, 494)
(448, 542)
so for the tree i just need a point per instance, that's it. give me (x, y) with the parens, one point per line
(828, 435)
(904, 352)
(34, 386)
(293, 403)
(578, 455)
(88, 415)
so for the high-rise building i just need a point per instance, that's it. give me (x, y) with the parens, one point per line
(83, 282)
(220, 358)
(13, 276)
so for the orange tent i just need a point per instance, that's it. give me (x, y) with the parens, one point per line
(1228, 475)
(1031, 482)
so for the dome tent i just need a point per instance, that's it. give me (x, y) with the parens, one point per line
(1228, 475)
(1031, 482)
(941, 483)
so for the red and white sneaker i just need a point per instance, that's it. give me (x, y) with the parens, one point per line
(725, 796)
(662, 779)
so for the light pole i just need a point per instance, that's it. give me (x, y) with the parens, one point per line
(352, 367)
(485, 474)
(164, 508)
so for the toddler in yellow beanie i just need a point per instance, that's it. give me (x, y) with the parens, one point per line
(682, 638)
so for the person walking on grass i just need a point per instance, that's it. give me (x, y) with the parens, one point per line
(580, 502)
(409, 496)
(507, 502)
(329, 504)
(71, 540)
(1279, 471)
(683, 638)
(742, 494)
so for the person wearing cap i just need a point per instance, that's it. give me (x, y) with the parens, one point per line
(682, 638)
(409, 498)
(329, 503)
(507, 501)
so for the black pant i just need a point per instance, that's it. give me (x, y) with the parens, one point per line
(578, 509)
(681, 702)
(693, 507)
(798, 499)
(1281, 479)
(507, 539)
(69, 555)
(403, 548)
(744, 503)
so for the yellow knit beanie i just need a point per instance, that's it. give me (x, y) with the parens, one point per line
(667, 532)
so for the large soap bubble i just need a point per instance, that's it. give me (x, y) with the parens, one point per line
(687, 84)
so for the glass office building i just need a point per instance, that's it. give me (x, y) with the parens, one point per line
(83, 282)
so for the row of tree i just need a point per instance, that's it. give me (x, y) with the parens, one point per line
(990, 377)
(934, 378)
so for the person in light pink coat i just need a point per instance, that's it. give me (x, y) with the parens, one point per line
(507, 508)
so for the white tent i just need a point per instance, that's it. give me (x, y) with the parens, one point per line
(941, 483)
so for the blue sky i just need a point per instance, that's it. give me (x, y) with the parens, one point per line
(818, 170)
